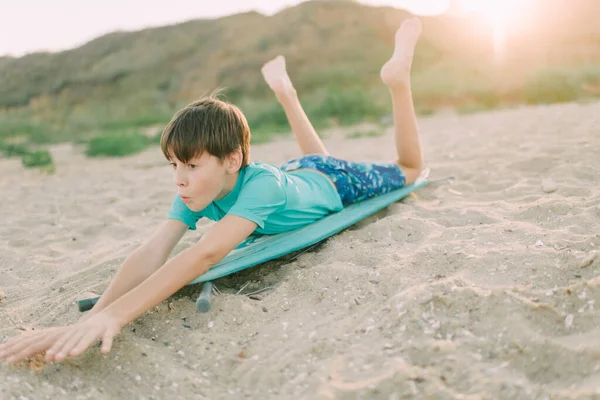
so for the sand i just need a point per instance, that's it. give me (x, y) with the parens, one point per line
(485, 287)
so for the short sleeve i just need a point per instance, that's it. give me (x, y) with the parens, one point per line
(259, 198)
(181, 212)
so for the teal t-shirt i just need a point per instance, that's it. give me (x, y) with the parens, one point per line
(275, 200)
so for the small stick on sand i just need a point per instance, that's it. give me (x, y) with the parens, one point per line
(243, 287)
(305, 250)
(258, 291)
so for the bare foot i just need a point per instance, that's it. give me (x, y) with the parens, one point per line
(396, 72)
(277, 77)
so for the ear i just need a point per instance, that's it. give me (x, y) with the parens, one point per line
(234, 161)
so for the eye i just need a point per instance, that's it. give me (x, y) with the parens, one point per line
(192, 166)
(172, 165)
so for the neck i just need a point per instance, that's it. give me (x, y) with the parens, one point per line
(230, 182)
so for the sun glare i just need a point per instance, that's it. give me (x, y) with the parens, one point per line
(500, 15)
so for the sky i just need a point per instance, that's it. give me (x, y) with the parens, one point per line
(40, 25)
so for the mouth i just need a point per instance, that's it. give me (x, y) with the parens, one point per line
(185, 199)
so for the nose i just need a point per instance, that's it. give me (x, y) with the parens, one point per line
(180, 178)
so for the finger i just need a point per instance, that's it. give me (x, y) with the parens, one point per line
(84, 343)
(15, 340)
(59, 343)
(107, 340)
(63, 352)
(5, 347)
(32, 349)
(18, 343)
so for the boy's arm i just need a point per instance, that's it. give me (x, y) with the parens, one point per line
(214, 245)
(73, 340)
(142, 263)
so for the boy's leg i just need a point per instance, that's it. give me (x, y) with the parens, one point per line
(396, 75)
(278, 80)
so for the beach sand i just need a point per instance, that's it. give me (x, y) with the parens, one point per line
(485, 287)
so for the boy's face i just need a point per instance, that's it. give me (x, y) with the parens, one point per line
(203, 179)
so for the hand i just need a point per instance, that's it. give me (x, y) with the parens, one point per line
(74, 341)
(29, 343)
(63, 342)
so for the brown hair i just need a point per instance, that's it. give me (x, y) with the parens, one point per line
(208, 124)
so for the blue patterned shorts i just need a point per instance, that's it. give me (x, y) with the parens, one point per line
(354, 181)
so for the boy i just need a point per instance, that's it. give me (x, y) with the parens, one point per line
(207, 144)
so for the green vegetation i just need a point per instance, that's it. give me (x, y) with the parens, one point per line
(556, 85)
(425, 112)
(38, 159)
(265, 118)
(345, 107)
(30, 159)
(329, 107)
(117, 144)
(12, 149)
(21, 125)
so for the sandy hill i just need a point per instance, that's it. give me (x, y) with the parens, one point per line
(140, 78)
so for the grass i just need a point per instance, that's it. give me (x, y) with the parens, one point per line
(13, 149)
(325, 108)
(38, 159)
(265, 118)
(21, 125)
(344, 107)
(138, 121)
(557, 85)
(425, 111)
(117, 144)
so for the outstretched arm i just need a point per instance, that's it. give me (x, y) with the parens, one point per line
(142, 263)
(72, 341)
(214, 245)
